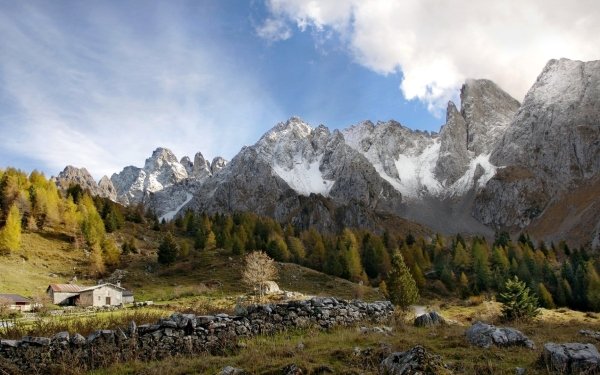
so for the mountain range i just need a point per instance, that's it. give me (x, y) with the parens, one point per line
(496, 164)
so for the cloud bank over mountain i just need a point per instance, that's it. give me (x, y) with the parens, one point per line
(436, 45)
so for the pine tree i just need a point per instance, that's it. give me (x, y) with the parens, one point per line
(402, 287)
(593, 287)
(518, 301)
(167, 251)
(546, 299)
(461, 260)
(10, 235)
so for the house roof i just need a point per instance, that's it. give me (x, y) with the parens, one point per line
(127, 293)
(16, 298)
(66, 288)
(101, 286)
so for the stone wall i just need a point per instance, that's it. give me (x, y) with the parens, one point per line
(180, 334)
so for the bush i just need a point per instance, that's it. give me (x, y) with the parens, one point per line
(518, 301)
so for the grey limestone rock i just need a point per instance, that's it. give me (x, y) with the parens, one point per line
(571, 358)
(486, 335)
(429, 319)
(414, 361)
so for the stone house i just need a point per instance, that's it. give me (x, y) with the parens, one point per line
(96, 296)
(102, 295)
(16, 302)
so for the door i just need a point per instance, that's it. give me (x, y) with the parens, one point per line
(108, 300)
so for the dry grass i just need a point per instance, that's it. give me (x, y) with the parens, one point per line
(347, 351)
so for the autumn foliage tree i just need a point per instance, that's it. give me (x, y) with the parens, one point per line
(259, 268)
(10, 235)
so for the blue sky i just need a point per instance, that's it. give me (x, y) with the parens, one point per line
(101, 84)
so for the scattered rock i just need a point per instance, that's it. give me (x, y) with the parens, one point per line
(291, 369)
(413, 361)
(230, 370)
(385, 330)
(486, 335)
(520, 371)
(589, 333)
(571, 358)
(429, 320)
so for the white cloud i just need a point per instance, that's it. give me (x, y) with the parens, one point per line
(436, 44)
(274, 30)
(106, 95)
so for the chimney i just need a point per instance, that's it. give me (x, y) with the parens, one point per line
(119, 283)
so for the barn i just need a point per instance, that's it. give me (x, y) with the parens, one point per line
(64, 294)
(77, 295)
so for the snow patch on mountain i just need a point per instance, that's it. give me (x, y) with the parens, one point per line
(171, 214)
(416, 172)
(304, 177)
(480, 171)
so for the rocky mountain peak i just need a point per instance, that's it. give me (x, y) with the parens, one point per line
(159, 157)
(187, 164)
(488, 111)
(72, 175)
(550, 148)
(294, 128)
(202, 167)
(453, 159)
(80, 176)
(106, 189)
(217, 164)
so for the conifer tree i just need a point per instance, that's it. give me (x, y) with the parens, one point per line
(461, 260)
(402, 287)
(545, 297)
(167, 251)
(518, 303)
(10, 234)
(593, 287)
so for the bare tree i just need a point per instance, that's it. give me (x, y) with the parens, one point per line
(259, 269)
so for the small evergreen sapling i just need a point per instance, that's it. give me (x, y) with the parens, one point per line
(518, 303)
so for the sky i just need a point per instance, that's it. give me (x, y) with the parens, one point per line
(100, 84)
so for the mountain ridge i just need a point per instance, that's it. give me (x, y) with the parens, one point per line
(477, 172)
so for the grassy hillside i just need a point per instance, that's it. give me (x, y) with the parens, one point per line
(46, 258)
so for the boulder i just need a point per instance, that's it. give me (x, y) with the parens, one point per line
(486, 335)
(413, 361)
(430, 319)
(270, 287)
(571, 358)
